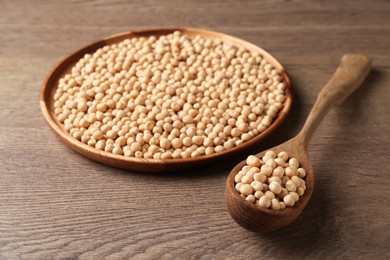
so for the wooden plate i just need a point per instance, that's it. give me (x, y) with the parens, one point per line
(151, 165)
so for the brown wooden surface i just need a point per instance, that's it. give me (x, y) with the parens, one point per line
(56, 204)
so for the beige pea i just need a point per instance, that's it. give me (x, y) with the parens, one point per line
(209, 150)
(117, 150)
(264, 202)
(105, 128)
(271, 162)
(100, 145)
(247, 179)
(290, 186)
(125, 148)
(246, 168)
(218, 141)
(258, 194)
(166, 155)
(253, 161)
(77, 134)
(250, 198)
(275, 187)
(279, 161)
(285, 179)
(250, 173)
(157, 156)
(165, 143)
(270, 154)
(235, 132)
(266, 170)
(257, 186)
(260, 177)
(266, 158)
(219, 148)
(112, 134)
(198, 140)
(275, 204)
(294, 195)
(152, 148)
(294, 163)
(121, 140)
(274, 178)
(229, 144)
(296, 180)
(207, 142)
(176, 143)
(85, 138)
(138, 154)
(62, 117)
(301, 173)
(245, 137)
(110, 141)
(300, 191)
(70, 104)
(191, 131)
(185, 154)
(108, 147)
(242, 127)
(278, 172)
(135, 147)
(238, 176)
(283, 155)
(291, 171)
(187, 141)
(101, 107)
(246, 189)
(289, 200)
(238, 186)
(195, 152)
(282, 194)
(188, 119)
(97, 135)
(84, 123)
(253, 169)
(269, 194)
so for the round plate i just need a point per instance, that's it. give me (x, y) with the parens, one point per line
(151, 165)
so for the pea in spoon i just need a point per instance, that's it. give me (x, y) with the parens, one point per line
(350, 74)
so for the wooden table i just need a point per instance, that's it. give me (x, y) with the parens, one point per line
(56, 204)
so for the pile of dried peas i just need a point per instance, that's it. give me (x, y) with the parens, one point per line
(275, 181)
(168, 97)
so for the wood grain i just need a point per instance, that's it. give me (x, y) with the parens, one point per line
(56, 204)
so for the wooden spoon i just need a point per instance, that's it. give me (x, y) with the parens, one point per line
(350, 74)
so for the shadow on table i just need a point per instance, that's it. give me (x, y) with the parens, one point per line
(311, 230)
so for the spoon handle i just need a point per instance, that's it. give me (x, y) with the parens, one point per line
(350, 74)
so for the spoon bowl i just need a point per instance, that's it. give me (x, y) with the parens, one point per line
(350, 74)
(259, 219)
